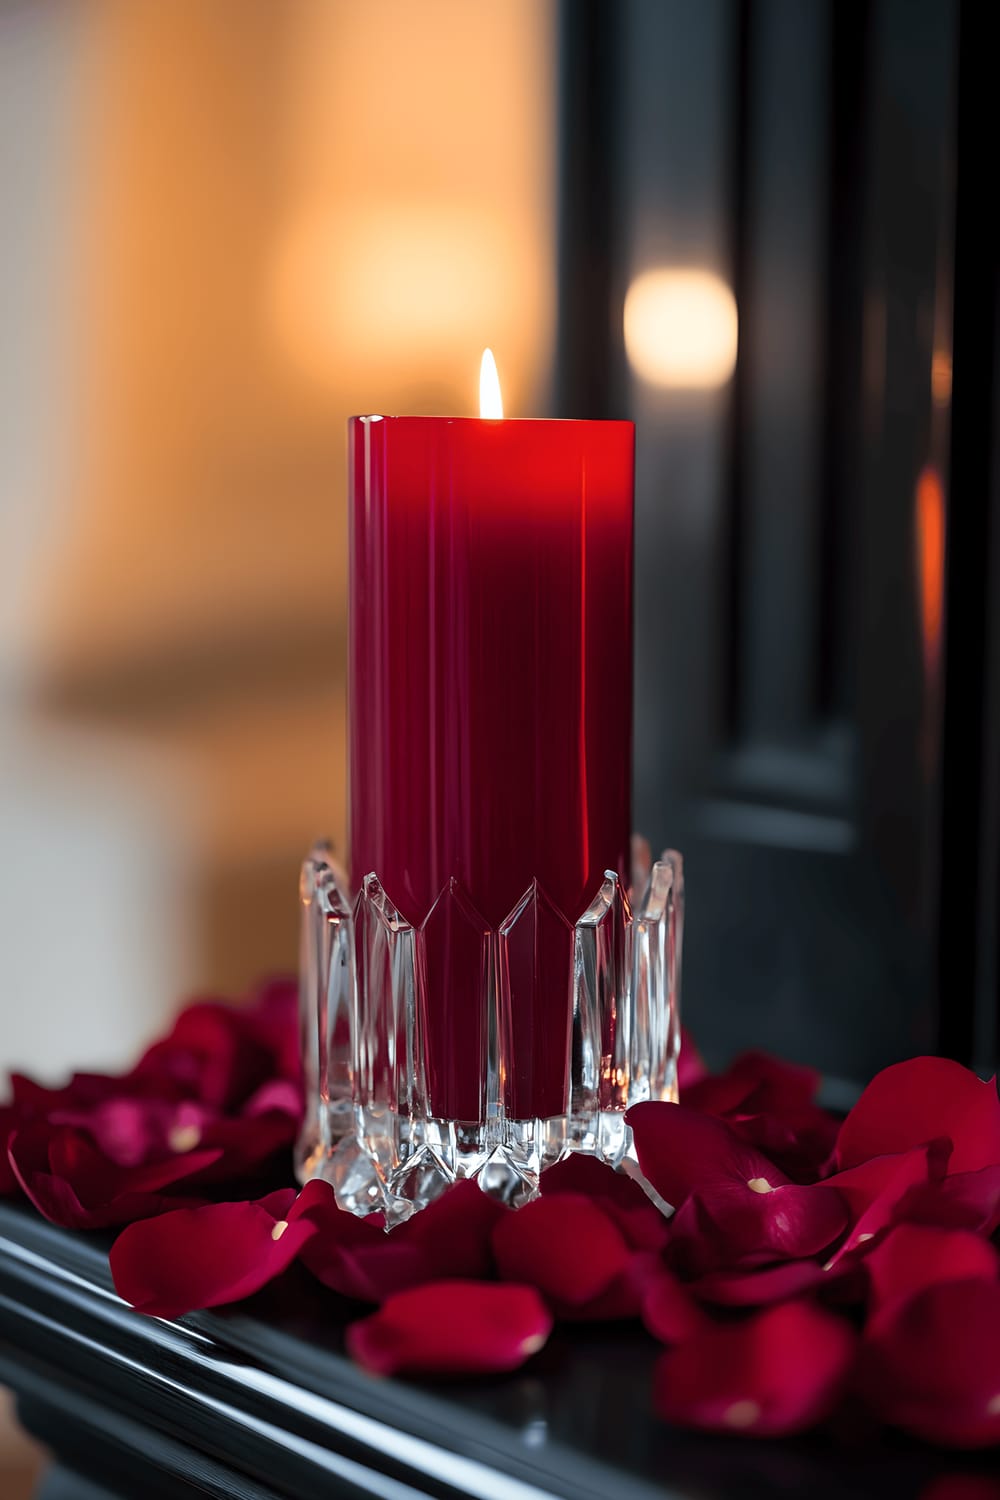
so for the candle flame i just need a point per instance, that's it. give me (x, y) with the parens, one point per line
(490, 400)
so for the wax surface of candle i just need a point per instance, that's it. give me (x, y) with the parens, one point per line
(491, 714)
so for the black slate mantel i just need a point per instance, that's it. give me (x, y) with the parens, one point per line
(261, 1403)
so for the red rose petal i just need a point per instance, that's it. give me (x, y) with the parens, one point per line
(755, 1083)
(669, 1312)
(10, 1119)
(691, 1067)
(454, 1234)
(759, 1288)
(889, 1176)
(681, 1151)
(800, 1142)
(620, 1196)
(966, 1200)
(451, 1238)
(914, 1256)
(621, 1300)
(452, 1328)
(895, 1177)
(131, 1130)
(564, 1244)
(278, 1096)
(932, 1367)
(136, 1131)
(211, 1054)
(579, 1173)
(272, 1018)
(73, 1184)
(780, 1371)
(83, 1091)
(354, 1256)
(914, 1102)
(739, 1227)
(746, 1210)
(244, 1143)
(202, 1257)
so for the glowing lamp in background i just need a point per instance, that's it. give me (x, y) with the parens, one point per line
(681, 328)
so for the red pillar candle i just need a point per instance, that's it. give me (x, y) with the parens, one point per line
(490, 719)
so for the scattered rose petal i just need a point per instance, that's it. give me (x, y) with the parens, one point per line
(563, 1244)
(132, 1130)
(770, 1103)
(277, 1096)
(455, 1233)
(621, 1300)
(139, 1131)
(272, 1018)
(451, 1238)
(668, 1310)
(244, 1143)
(780, 1371)
(691, 1067)
(681, 1151)
(9, 1121)
(965, 1200)
(736, 1230)
(932, 1367)
(800, 1142)
(621, 1197)
(201, 1257)
(357, 1259)
(913, 1102)
(754, 1083)
(211, 1054)
(73, 1184)
(83, 1091)
(743, 1210)
(914, 1256)
(887, 1179)
(759, 1288)
(452, 1328)
(894, 1209)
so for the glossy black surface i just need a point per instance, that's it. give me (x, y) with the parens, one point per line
(261, 1402)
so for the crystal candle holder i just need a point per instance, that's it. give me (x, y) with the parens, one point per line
(452, 1048)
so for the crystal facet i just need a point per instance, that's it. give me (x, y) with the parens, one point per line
(326, 984)
(445, 1048)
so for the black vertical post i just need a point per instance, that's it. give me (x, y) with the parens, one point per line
(589, 343)
(968, 980)
(739, 187)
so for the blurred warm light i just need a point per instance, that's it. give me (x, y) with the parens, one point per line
(490, 399)
(402, 285)
(681, 328)
(261, 219)
(929, 524)
(941, 377)
(418, 210)
(252, 275)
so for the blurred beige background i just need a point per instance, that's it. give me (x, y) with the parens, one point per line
(226, 227)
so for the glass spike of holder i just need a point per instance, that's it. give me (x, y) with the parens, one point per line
(452, 1049)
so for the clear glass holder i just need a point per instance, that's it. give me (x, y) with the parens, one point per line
(373, 1030)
